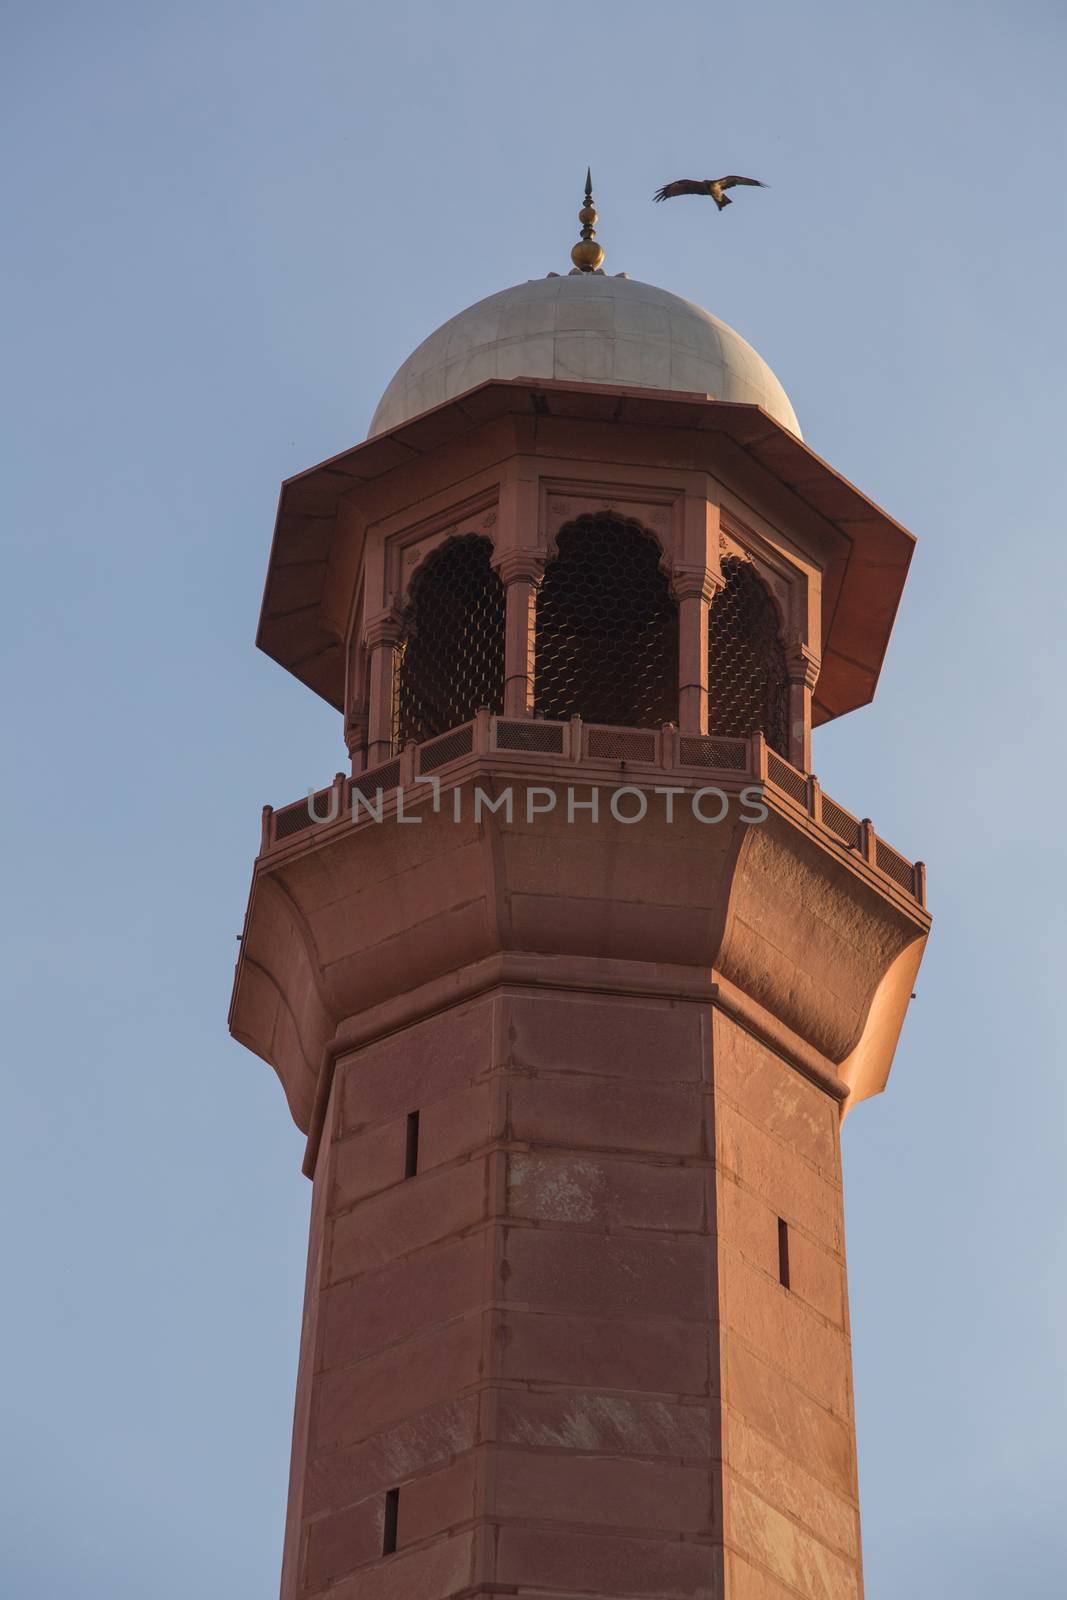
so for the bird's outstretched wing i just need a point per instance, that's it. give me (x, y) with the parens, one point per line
(682, 186)
(732, 181)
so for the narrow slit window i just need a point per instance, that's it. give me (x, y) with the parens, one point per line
(392, 1513)
(783, 1253)
(411, 1153)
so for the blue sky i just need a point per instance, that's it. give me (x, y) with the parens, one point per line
(227, 225)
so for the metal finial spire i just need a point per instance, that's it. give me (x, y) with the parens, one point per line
(587, 255)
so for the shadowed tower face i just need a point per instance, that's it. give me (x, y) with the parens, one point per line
(572, 1061)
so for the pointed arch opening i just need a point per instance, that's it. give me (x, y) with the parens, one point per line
(606, 640)
(451, 649)
(748, 687)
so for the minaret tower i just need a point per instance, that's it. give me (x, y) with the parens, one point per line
(571, 978)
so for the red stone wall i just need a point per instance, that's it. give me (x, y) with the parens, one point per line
(791, 1520)
(565, 1339)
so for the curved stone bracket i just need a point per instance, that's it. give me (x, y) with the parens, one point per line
(371, 915)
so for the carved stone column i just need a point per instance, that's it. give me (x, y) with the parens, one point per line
(802, 666)
(694, 588)
(356, 739)
(521, 572)
(382, 639)
(355, 723)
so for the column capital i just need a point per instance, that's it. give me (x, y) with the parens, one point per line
(516, 565)
(802, 664)
(383, 628)
(696, 583)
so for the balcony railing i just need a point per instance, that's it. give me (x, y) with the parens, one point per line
(704, 760)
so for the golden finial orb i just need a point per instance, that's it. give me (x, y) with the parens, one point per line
(587, 255)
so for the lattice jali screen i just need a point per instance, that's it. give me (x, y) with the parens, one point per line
(788, 779)
(607, 628)
(451, 651)
(620, 744)
(383, 777)
(294, 819)
(460, 742)
(530, 734)
(841, 822)
(896, 866)
(748, 691)
(722, 755)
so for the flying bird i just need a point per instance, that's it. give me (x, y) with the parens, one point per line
(713, 186)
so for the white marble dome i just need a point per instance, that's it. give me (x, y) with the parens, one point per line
(585, 328)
